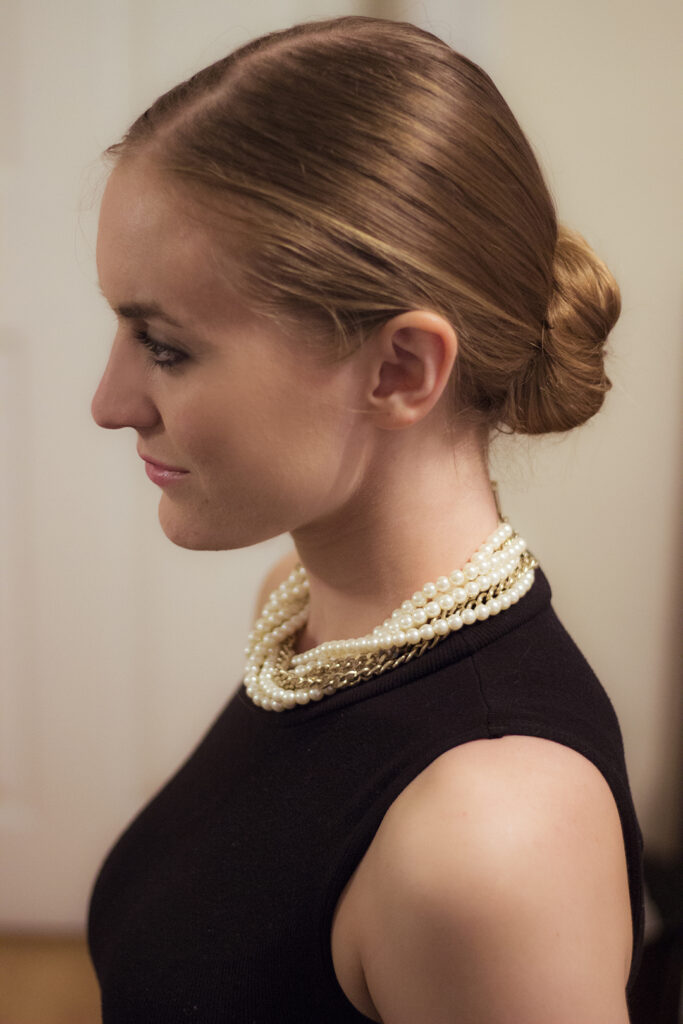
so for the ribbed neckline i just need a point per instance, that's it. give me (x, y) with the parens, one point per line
(451, 649)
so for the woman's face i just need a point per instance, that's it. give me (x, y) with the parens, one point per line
(264, 436)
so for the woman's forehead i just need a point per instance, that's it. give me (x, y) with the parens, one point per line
(154, 249)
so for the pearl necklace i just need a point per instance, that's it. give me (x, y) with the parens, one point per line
(496, 576)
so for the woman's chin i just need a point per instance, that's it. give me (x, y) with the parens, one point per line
(189, 528)
(186, 530)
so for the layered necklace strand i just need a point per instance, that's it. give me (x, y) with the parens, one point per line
(495, 577)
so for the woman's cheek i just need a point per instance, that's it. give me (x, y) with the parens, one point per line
(198, 426)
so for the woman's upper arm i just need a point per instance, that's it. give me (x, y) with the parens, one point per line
(497, 891)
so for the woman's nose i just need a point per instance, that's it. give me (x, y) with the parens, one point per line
(122, 398)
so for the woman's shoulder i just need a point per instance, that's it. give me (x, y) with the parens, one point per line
(506, 789)
(498, 879)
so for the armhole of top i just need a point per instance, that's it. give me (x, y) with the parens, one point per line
(365, 831)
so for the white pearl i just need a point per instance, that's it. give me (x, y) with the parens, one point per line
(446, 602)
(432, 609)
(494, 606)
(482, 612)
(469, 616)
(457, 578)
(441, 627)
(418, 599)
(412, 636)
(426, 632)
(455, 621)
(419, 617)
(472, 588)
(443, 584)
(460, 595)
(471, 571)
(429, 590)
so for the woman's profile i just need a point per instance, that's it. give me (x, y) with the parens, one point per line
(337, 272)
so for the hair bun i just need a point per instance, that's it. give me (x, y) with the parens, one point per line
(565, 382)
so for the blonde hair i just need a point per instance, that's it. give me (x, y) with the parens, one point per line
(374, 170)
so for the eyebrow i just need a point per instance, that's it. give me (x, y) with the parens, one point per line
(144, 311)
(141, 310)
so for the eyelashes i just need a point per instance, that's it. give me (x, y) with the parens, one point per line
(163, 356)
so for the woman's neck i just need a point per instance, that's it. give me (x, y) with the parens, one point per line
(417, 515)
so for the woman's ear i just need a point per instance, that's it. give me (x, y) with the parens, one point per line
(410, 361)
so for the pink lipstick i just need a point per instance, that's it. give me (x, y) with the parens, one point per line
(161, 474)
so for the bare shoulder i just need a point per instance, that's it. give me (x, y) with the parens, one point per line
(496, 889)
(273, 578)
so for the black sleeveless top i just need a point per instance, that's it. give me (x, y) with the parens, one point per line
(216, 904)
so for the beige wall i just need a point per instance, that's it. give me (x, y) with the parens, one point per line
(115, 647)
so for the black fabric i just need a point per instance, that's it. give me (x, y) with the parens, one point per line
(216, 904)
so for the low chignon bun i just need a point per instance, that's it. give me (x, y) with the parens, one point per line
(564, 382)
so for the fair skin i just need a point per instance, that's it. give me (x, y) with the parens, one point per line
(495, 888)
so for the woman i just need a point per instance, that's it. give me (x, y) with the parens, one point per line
(337, 271)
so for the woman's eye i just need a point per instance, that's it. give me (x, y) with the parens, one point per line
(162, 355)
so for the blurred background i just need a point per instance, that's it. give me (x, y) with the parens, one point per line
(117, 649)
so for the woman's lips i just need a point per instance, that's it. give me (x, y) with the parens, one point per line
(161, 474)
